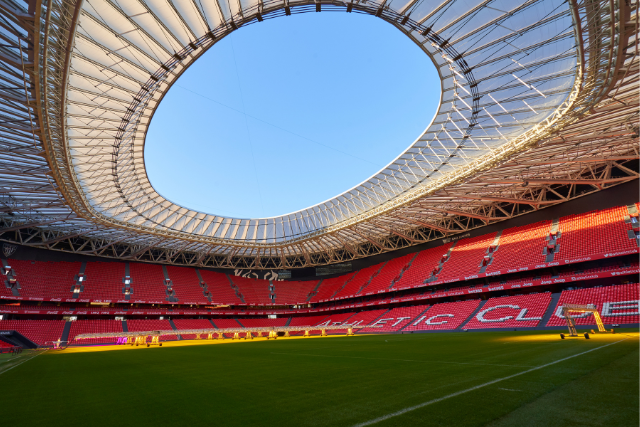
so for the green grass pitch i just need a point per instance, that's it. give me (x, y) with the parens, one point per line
(388, 380)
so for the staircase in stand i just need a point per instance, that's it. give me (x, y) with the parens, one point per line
(438, 269)
(314, 291)
(235, 289)
(371, 278)
(491, 250)
(405, 268)
(204, 286)
(552, 241)
(78, 287)
(472, 315)
(170, 292)
(10, 278)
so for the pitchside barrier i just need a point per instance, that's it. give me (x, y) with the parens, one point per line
(141, 337)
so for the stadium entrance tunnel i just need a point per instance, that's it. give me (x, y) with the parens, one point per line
(331, 122)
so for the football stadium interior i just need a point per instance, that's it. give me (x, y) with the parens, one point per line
(488, 275)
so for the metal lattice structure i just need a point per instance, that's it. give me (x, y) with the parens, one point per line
(539, 105)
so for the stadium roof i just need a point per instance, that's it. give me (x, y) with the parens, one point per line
(539, 105)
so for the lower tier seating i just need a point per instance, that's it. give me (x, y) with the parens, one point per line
(5, 344)
(395, 319)
(41, 332)
(226, 323)
(359, 319)
(93, 327)
(135, 325)
(444, 316)
(192, 324)
(616, 305)
(263, 323)
(521, 311)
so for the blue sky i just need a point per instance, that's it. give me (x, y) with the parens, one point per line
(289, 112)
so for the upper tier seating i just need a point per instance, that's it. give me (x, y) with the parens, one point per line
(139, 325)
(40, 279)
(293, 292)
(445, 316)
(594, 233)
(254, 291)
(103, 281)
(361, 278)
(186, 285)
(520, 246)
(192, 324)
(93, 327)
(616, 304)
(422, 267)
(329, 287)
(147, 282)
(219, 287)
(389, 273)
(395, 319)
(466, 257)
(518, 311)
(41, 332)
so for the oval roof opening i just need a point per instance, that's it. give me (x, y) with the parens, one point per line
(286, 114)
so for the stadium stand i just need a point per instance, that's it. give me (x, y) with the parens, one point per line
(520, 246)
(42, 278)
(186, 285)
(226, 323)
(148, 282)
(5, 344)
(616, 305)
(41, 332)
(336, 319)
(329, 287)
(360, 280)
(362, 318)
(518, 311)
(395, 319)
(103, 281)
(93, 327)
(293, 292)
(422, 267)
(388, 275)
(254, 291)
(192, 324)
(445, 316)
(137, 325)
(466, 257)
(219, 287)
(263, 323)
(594, 233)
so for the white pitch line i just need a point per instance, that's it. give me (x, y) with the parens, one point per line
(405, 360)
(458, 393)
(15, 366)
